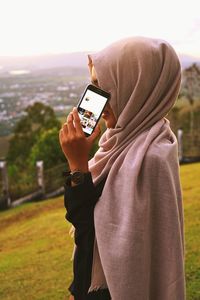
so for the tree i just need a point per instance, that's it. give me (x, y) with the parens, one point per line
(47, 149)
(39, 118)
(174, 118)
(191, 89)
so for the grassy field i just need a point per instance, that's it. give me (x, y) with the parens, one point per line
(35, 247)
(190, 178)
(35, 251)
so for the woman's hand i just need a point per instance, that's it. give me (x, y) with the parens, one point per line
(71, 297)
(75, 145)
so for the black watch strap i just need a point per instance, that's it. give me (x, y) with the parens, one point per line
(76, 176)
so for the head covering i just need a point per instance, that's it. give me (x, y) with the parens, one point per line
(139, 243)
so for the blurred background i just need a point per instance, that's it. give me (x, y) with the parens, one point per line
(43, 72)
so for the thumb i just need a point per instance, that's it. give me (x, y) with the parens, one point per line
(95, 134)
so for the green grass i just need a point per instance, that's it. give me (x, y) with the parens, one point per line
(35, 251)
(190, 178)
(35, 247)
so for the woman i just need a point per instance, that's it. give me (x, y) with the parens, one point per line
(134, 247)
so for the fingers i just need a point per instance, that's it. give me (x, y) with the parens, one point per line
(64, 131)
(70, 125)
(60, 134)
(73, 124)
(95, 133)
(64, 128)
(77, 122)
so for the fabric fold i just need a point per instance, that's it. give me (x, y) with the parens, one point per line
(139, 246)
(98, 277)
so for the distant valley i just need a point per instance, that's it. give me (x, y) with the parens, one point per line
(55, 80)
(71, 60)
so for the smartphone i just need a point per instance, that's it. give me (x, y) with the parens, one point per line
(91, 106)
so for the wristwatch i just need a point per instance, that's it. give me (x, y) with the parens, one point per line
(77, 177)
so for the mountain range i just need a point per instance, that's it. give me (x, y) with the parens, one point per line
(72, 60)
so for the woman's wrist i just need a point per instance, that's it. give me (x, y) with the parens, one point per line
(79, 167)
(78, 176)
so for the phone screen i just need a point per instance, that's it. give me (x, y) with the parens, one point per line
(90, 109)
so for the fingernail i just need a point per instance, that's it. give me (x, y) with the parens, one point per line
(75, 108)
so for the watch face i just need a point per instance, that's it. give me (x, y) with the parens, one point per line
(77, 177)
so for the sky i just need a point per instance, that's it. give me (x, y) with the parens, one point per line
(29, 27)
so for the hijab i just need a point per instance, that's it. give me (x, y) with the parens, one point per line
(139, 235)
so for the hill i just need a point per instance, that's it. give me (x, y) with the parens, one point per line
(40, 62)
(188, 60)
(35, 247)
(71, 60)
(35, 252)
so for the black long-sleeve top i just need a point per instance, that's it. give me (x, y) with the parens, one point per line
(79, 202)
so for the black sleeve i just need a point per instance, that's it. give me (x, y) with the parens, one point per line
(79, 202)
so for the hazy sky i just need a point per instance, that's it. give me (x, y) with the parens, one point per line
(57, 26)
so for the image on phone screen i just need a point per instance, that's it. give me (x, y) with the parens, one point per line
(90, 109)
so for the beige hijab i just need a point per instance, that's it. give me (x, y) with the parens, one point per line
(139, 244)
